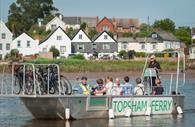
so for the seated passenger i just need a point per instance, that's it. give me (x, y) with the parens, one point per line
(83, 87)
(117, 89)
(158, 89)
(139, 89)
(100, 88)
(127, 87)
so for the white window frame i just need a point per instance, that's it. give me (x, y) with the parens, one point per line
(143, 46)
(44, 50)
(1, 46)
(106, 46)
(106, 37)
(28, 44)
(58, 37)
(62, 49)
(80, 47)
(7, 46)
(80, 36)
(18, 44)
(53, 26)
(3, 36)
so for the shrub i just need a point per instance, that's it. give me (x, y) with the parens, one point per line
(78, 56)
(140, 54)
(55, 51)
(123, 54)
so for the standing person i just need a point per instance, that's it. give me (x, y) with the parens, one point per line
(109, 85)
(139, 89)
(127, 87)
(158, 90)
(117, 89)
(155, 65)
(83, 87)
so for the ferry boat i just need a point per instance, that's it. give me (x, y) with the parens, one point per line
(63, 104)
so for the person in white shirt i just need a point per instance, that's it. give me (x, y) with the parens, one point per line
(139, 89)
(109, 85)
(117, 89)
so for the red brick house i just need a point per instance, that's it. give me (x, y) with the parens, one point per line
(105, 25)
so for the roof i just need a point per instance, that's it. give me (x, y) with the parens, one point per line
(138, 39)
(72, 20)
(90, 21)
(166, 35)
(50, 34)
(125, 22)
(105, 18)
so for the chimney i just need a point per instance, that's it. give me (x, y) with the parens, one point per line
(97, 20)
(60, 16)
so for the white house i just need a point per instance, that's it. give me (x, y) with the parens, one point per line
(5, 40)
(25, 44)
(105, 45)
(54, 23)
(157, 42)
(192, 49)
(59, 39)
(82, 44)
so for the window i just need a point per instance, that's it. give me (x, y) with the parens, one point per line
(80, 47)
(3, 36)
(94, 46)
(7, 46)
(19, 44)
(44, 49)
(28, 44)
(105, 28)
(124, 46)
(62, 49)
(80, 36)
(1, 46)
(53, 26)
(106, 46)
(154, 35)
(1, 56)
(59, 37)
(153, 46)
(142, 46)
(105, 37)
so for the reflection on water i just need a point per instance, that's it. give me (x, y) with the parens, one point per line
(14, 114)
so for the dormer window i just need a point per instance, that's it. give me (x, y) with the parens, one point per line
(80, 36)
(154, 35)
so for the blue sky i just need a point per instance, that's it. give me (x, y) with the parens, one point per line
(182, 12)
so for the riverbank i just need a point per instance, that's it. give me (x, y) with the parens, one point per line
(190, 74)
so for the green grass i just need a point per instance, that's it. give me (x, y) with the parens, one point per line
(75, 65)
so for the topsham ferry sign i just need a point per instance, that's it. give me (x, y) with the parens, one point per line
(139, 105)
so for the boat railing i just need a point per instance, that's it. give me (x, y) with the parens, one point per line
(27, 79)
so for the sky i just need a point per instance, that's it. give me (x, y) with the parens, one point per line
(182, 12)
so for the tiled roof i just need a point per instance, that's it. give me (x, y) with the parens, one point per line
(166, 35)
(72, 20)
(125, 22)
(138, 39)
(90, 21)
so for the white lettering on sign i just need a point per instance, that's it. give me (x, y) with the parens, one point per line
(139, 105)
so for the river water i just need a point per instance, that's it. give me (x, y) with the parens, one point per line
(14, 114)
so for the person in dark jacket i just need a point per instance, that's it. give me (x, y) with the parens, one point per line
(158, 90)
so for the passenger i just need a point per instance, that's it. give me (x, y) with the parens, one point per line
(83, 87)
(109, 85)
(158, 90)
(155, 65)
(100, 88)
(117, 89)
(127, 87)
(139, 89)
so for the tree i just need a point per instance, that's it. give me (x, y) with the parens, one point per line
(55, 51)
(184, 34)
(83, 26)
(13, 55)
(71, 32)
(123, 54)
(165, 24)
(127, 34)
(92, 32)
(25, 13)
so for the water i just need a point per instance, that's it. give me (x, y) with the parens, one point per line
(14, 114)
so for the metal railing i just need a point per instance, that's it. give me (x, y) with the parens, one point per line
(24, 79)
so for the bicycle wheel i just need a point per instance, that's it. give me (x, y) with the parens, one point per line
(17, 86)
(29, 87)
(40, 84)
(66, 85)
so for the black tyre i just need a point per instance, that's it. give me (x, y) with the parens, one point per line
(66, 85)
(17, 86)
(40, 84)
(29, 87)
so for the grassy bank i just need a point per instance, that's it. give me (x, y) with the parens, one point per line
(74, 65)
